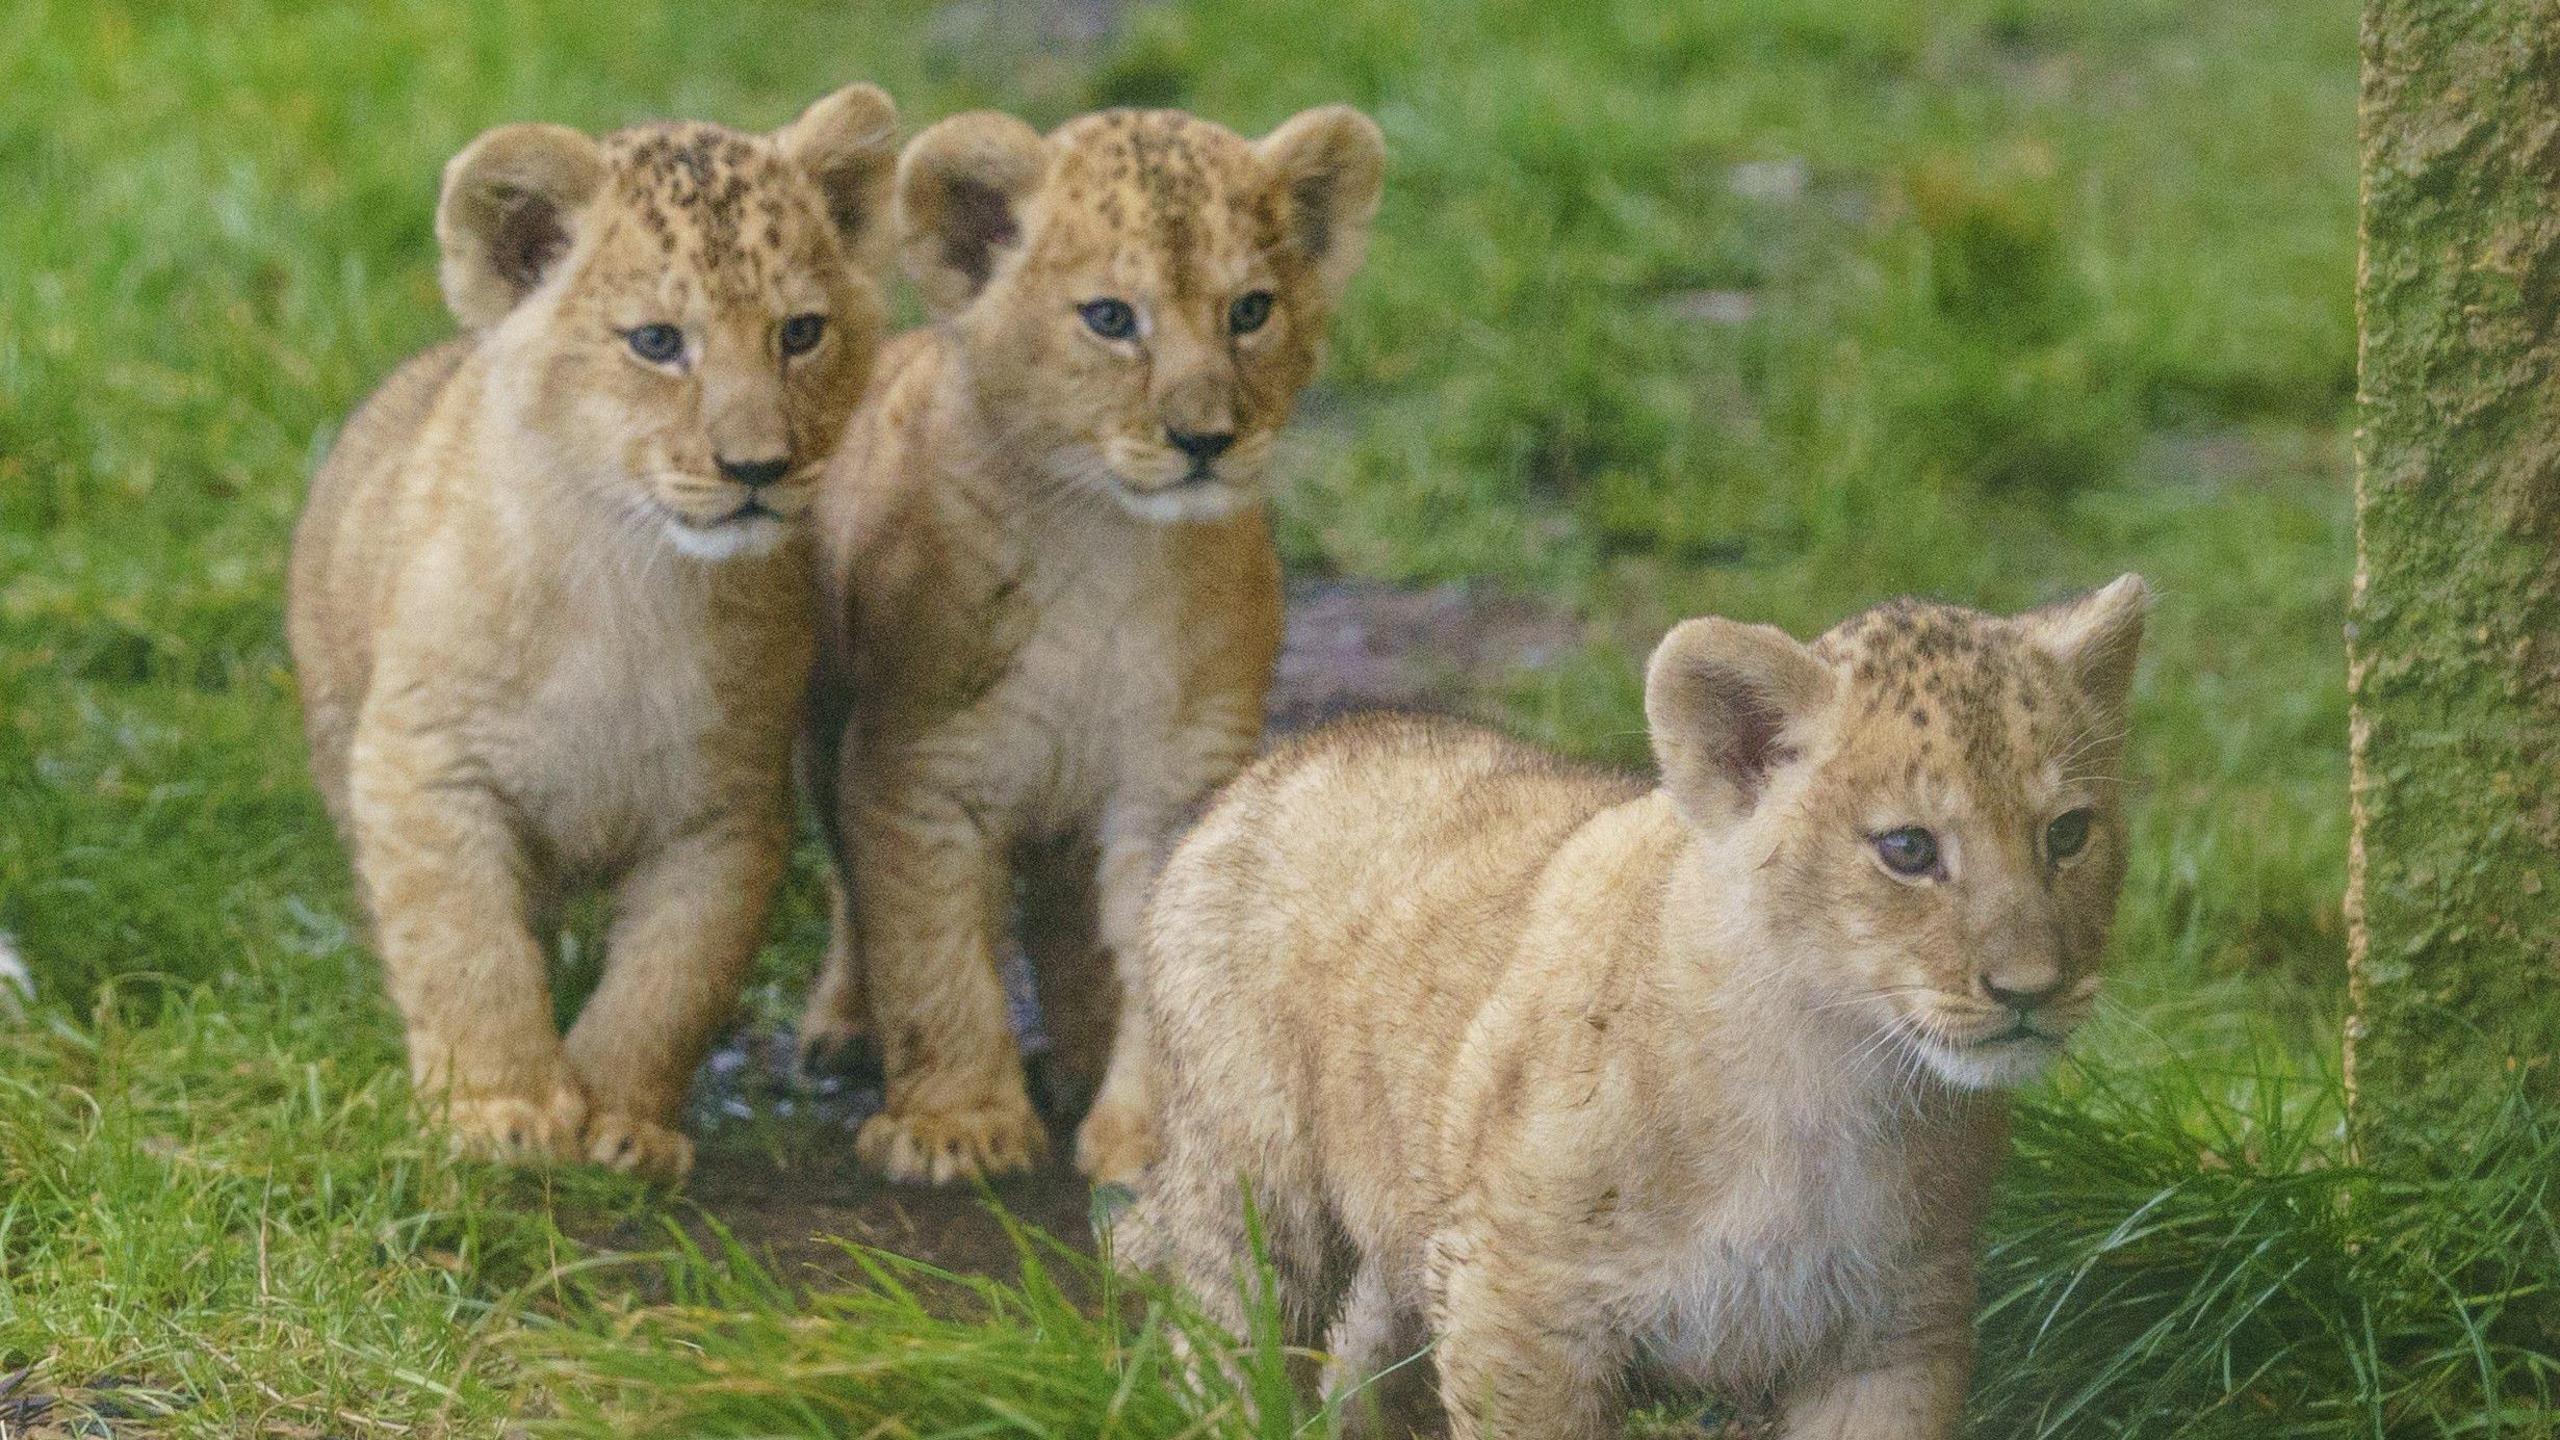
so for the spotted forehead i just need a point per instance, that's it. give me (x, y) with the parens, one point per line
(719, 202)
(1165, 187)
(1961, 687)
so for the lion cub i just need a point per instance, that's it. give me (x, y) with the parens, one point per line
(1584, 1080)
(550, 600)
(1052, 600)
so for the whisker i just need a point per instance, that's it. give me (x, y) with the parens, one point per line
(1890, 1042)
(1862, 998)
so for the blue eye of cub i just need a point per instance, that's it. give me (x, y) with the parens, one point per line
(1908, 851)
(801, 333)
(2069, 832)
(657, 344)
(1251, 309)
(1110, 319)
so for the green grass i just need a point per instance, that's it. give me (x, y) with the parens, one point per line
(2188, 1254)
(2188, 1250)
(909, 1349)
(1766, 307)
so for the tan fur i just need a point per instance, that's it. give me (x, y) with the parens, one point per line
(1046, 621)
(542, 647)
(1589, 1082)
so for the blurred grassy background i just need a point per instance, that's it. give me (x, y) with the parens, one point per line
(1772, 308)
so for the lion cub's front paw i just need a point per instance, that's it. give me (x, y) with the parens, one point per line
(953, 1144)
(1116, 1144)
(519, 1129)
(638, 1147)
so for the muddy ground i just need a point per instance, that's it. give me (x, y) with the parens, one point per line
(777, 1168)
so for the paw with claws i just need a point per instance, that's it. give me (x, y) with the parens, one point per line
(519, 1129)
(958, 1143)
(1116, 1144)
(634, 1146)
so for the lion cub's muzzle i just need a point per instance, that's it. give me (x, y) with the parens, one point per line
(1179, 474)
(772, 487)
(1203, 447)
(744, 512)
(754, 474)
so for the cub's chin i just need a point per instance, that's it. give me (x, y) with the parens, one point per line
(1188, 502)
(740, 537)
(1162, 488)
(1995, 1064)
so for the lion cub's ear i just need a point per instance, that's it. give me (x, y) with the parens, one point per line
(848, 144)
(510, 201)
(961, 188)
(1725, 702)
(2097, 637)
(1330, 164)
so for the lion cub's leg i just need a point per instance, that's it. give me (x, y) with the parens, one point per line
(1507, 1366)
(1917, 1400)
(1910, 1384)
(442, 871)
(838, 1015)
(1117, 1141)
(686, 924)
(1377, 1366)
(931, 887)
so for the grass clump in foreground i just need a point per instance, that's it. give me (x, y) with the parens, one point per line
(908, 1349)
(2193, 1252)
(2181, 1252)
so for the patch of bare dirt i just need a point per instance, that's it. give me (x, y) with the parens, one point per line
(1354, 646)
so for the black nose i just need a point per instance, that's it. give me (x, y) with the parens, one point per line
(1201, 444)
(2025, 996)
(756, 472)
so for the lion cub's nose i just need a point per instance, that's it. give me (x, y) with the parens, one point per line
(2024, 987)
(1201, 444)
(754, 473)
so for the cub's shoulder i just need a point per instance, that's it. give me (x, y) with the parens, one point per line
(391, 417)
(351, 500)
(909, 367)
(874, 510)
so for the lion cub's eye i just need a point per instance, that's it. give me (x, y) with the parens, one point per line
(1110, 319)
(657, 344)
(1251, 309)
(2068, 834)
(801, 333)
(1908, 851)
